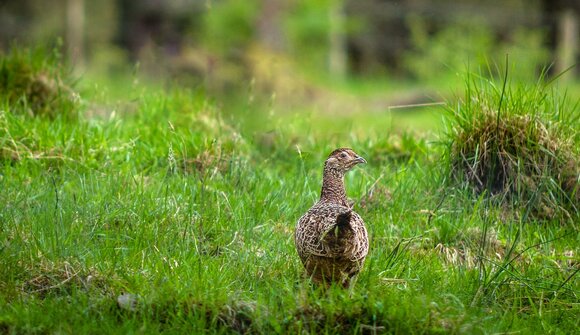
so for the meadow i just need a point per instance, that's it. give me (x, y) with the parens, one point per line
(130, 208)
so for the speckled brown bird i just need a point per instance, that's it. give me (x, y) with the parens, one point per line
(331, 239)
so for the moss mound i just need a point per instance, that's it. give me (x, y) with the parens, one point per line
(35, 82)
(518, 145)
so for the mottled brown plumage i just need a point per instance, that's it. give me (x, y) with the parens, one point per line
(331, 239)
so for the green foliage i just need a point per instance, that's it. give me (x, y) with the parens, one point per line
(222, 16)
(448, 51)
(470, 44)
(527, 53)
(307, 26)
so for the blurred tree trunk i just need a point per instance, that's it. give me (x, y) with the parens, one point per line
(567, 40)
(75, 21)
(15, 18)
(561, 19)
(337, 56)
(269, 25)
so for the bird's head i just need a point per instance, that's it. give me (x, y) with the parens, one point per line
(343, 159)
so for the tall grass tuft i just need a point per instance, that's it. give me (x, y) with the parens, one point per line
(35, 82)
(519, 144)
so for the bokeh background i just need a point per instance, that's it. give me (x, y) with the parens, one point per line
(329, 56)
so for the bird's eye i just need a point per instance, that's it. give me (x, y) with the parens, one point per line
(343, 155)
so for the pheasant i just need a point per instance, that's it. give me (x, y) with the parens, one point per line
(331, 239)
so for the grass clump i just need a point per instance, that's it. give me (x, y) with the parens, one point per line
(191, 137)
(518, 144)
(399, 148)
(35, 82)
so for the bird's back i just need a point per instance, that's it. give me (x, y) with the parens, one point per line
(332, 241)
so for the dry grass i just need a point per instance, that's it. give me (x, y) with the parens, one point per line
(470, 250)
(61, 278)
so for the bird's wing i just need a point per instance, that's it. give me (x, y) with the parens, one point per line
(332, 231)
(359, 247)
(308, 232)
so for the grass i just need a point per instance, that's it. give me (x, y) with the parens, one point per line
(163, 199)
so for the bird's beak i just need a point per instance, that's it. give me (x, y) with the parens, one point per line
(359, 160)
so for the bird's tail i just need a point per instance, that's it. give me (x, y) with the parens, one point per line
(343, 220)
(340, 229)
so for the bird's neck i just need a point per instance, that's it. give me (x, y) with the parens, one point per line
(333, 187)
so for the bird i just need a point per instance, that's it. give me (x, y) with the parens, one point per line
(331, 238)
